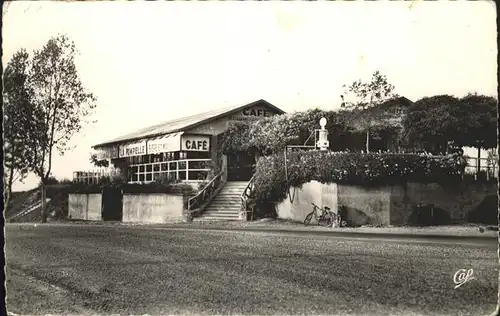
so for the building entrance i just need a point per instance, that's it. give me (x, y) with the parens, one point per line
(240, 166)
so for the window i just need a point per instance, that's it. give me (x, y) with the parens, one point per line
(198, 155)
(173, 165)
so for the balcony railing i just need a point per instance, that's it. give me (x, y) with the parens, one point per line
(94, 176)
(484, 166)
(183, 170)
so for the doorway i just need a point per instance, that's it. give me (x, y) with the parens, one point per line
(240, 166)
(112, 204)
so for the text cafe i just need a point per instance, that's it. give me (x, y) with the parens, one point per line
(184, 149)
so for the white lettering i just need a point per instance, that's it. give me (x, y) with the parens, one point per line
(462, 276)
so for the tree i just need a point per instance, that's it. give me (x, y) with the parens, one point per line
(17, 113)
(365, 97)
(443, 121)
(478, 115)
(96, 162)
(433, 122)
(61, 105)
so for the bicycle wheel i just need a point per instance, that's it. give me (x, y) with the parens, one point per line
(308, 218)
(328, 221)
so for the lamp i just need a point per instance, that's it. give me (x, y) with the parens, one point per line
(323, 142)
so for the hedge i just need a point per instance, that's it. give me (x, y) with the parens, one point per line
(171, 188)
(373, 169)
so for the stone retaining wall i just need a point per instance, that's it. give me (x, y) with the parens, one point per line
(386, 205)
(85, 207)
(154, 208)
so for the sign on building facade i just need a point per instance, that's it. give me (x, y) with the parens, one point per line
(133, 149)
(195, 143)
(253, 113)
(167, 143)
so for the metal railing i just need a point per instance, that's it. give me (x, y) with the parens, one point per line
(172, 169)
(245, 196)
(95, 176)
(207, 192)
(476, 166)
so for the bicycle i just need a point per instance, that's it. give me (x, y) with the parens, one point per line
(325, 215)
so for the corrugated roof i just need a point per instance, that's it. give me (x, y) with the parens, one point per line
(184, 123)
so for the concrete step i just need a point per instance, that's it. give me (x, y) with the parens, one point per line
(225, 193)
(217, 215)
(235, 191)
(226, 198)
(214, 216)
(222, 210)
(227, 201)
(213, 219)
(223, 207)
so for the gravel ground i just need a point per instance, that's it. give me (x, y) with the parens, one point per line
(88, 269)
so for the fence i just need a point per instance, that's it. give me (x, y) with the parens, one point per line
(94, 176)
(477, 166)
(183, 170)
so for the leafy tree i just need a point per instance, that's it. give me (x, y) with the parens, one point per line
(273, 134)
(442, 122)
(363, 97)
(61, 105)
(17, 113)
(98, 163)
(478, 115)
(433, 122)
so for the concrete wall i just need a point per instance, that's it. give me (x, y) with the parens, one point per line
(365, 205)
(456, 201)
(85, 206)
(299, 206)
(154, 208)
(386, 205)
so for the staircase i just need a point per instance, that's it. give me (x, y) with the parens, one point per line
(226, 204)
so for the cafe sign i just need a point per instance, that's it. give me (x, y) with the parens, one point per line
(253, 113)
(256, 112)
(133, 149)
(195, 143)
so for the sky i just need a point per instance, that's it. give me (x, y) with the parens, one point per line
(149, 62)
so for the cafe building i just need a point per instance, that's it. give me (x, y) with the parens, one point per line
(184, 149)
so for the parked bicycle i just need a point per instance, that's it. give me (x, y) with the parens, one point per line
(322, 215)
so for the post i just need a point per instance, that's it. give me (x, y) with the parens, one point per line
(367, 140)
(478, 160)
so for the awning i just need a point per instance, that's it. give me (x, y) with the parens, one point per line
(164, 143)
(133, 149)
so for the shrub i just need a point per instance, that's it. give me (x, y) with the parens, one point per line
(153, 187)
(271, 135)
(373, 169)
